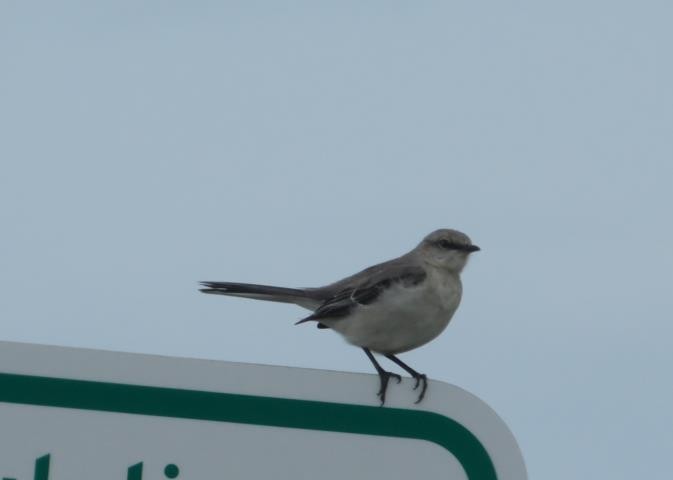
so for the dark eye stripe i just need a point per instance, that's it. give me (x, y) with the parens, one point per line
(446, 244)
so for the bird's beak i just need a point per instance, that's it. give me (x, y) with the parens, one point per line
(472, 248)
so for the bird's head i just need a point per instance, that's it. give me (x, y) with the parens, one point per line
(448, 249)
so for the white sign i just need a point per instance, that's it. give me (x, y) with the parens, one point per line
(77, 414)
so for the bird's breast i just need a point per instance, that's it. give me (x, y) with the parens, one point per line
(447, 289)
(403, 318)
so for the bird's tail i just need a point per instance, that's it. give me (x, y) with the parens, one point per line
(258, 292)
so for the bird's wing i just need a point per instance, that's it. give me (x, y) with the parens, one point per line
(364, 288)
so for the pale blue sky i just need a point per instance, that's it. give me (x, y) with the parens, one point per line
(146, 147)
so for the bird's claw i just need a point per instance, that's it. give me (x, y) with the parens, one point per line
(385, 377)
(421, 379)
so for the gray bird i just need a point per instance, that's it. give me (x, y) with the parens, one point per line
(389, 308)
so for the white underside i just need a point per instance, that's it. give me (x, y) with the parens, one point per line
(403, 318)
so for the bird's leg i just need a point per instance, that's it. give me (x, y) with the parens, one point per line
(420, 378)
(384, 376)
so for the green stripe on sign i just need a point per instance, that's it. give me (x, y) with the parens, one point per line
(249, 409)
(42, 468)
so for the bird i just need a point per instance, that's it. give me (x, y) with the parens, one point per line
(389, 308)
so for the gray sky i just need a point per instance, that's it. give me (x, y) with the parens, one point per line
(148, 146)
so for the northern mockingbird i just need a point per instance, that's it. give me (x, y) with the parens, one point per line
(389, 308)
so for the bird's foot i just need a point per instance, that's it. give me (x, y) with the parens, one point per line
(385, 377)
(422, 381)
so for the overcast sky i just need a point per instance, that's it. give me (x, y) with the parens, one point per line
(149, 145)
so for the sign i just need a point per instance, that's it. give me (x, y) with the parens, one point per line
(77, 414)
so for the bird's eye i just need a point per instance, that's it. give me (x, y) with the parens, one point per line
(445, 244)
